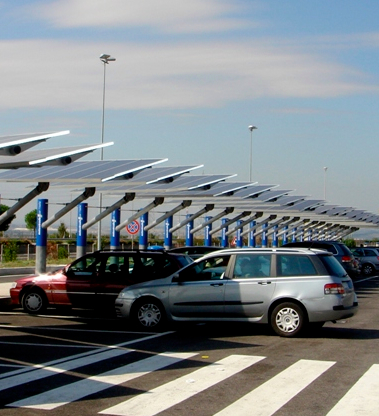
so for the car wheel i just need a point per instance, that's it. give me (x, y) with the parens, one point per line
(34, 301)
(287, 319)
(367, 269)
(148, 314)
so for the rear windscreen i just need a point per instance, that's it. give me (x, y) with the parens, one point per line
(332, 265)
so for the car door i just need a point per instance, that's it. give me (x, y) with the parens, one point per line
(249, 292)
(81, 281)
(198, 290)
(114, 275)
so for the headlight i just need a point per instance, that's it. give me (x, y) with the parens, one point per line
(13, 285)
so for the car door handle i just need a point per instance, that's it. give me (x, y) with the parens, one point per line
(217, 284)
(264, 283)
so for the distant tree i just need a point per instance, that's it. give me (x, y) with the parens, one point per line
(31, 221)
(5, 225)
(349, 242)
(62, 230)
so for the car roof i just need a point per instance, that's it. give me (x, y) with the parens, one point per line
(280, 250)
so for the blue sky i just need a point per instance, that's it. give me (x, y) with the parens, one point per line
(191, 76)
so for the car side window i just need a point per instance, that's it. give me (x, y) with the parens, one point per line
(358, 252)
(212, 268)
(252, 265)
(294, 265)
(370, 253)
(85, 266)
(116, 268)
(146, 267)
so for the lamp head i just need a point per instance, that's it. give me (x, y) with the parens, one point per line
(106, 58)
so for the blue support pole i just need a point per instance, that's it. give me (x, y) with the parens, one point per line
(167, 235)
(294, 235)
(310, 234)
(81, 235)
(275, 237)
(189, 235)
(264, 235)
(252, 241)
(239, 242)
(224, 237)
(285, 235)
(143, 236)
(115, 235)
(302, 234)
(41, 238)
(207, 230)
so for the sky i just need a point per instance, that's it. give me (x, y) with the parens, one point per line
(191, 76)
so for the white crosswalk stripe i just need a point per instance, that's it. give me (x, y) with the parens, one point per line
(163, 397)
(286, 385)
(362, 398)
(57, 397)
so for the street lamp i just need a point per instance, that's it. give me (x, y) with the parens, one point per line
(251, 128)
(105, 58)
(325, 169)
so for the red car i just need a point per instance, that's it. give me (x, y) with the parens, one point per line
(95, 280)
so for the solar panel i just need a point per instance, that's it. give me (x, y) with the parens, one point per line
(18, 143)
(61, 156)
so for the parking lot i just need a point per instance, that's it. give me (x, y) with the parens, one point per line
(84, 363)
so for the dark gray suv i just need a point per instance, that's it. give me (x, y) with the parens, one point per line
(339, 250)
(369, 258)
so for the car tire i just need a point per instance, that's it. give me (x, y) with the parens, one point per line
(288, 319)
(34, 301)
(148, 314)
(367, 269)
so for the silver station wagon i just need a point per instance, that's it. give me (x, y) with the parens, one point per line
(289, 289)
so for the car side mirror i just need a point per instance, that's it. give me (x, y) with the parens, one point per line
(176, 277)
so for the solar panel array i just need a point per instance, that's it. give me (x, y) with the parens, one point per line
(148, 179)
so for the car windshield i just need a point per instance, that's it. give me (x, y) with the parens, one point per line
(333, 266)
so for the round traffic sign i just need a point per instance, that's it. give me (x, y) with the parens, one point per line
(133, 227)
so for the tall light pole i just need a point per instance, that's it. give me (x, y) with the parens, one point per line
(251, 128)
(325, 169)
(105, 59)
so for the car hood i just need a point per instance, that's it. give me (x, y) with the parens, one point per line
(38, 277)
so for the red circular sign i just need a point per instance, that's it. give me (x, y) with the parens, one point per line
(133, 227)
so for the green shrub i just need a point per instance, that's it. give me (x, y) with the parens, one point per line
(10, 251)
(62, 252)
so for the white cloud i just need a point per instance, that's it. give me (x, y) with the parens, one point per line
(178, 16)
(68, 74)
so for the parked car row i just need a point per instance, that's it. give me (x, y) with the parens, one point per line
(288, 288)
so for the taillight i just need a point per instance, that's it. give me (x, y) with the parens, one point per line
(334, 289)
(346, 259)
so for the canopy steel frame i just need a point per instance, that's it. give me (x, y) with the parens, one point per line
(168, 214)
(271, 225)
(230, 222)
(41, 187)
(207, 208)
(149, 207)
(254, 227)
(226, 211)
(85, 195)
(127, 198)
(284, 224)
